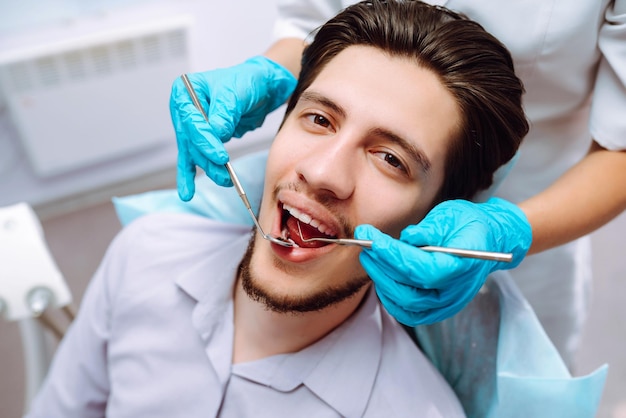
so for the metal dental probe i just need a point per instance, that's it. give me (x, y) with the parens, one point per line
(483, 255)
(233, 176)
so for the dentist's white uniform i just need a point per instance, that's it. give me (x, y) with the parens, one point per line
(571, 56)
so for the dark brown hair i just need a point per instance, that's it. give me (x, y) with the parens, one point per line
(473, 65)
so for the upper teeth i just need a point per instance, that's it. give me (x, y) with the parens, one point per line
(307, 219)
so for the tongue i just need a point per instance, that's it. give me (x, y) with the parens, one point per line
(307, 232)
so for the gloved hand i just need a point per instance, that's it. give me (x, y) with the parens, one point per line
(419, 287)
(236, 100)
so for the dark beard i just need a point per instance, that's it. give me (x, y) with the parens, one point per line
(294, 304)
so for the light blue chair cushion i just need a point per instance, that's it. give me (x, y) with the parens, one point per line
(210, 200)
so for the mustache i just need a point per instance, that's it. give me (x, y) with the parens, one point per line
(325, 199)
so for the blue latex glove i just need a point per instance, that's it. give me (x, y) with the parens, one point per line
(236, 100)
(419, 287)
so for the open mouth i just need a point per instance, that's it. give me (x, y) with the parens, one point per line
(299, 227)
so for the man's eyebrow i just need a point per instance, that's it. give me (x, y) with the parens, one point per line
(314, 97)
(414, 152)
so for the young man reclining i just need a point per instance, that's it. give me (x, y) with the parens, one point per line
(399, 106)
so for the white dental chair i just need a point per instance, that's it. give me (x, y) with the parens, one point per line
(31, 287)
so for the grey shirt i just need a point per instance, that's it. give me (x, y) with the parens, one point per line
(154, 338)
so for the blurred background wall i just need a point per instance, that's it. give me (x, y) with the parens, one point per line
(84, 90)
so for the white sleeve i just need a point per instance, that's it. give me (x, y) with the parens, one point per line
(298, 18)
(77, 384)
(608, 107)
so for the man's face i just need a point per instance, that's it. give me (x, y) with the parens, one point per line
(365, 144)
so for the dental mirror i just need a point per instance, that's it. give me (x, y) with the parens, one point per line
(233, 175)
(483, 255)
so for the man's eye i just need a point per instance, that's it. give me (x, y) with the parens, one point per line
(392, 160)
(319, 120)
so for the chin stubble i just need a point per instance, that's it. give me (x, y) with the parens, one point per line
(289, 303)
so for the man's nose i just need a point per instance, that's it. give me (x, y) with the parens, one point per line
(330, 166)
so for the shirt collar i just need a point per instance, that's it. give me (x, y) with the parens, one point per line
(210, 281)
(340, 368)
